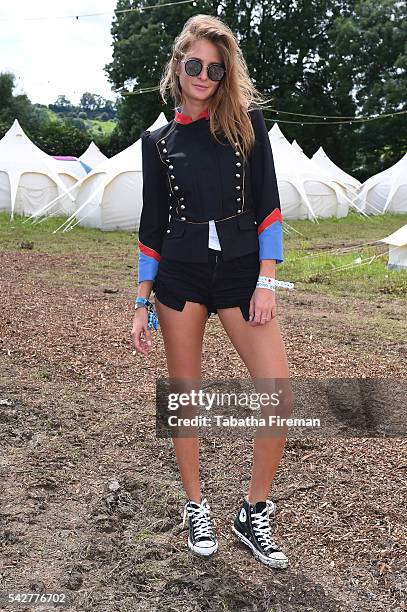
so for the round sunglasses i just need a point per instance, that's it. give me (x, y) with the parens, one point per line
(193, 67)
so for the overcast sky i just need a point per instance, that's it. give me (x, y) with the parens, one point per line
(56, 56)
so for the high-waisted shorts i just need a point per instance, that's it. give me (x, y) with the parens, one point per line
(216, 284)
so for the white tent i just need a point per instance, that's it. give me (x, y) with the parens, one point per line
(397, 248)
(336, 173)
(110, 197)
(28, 177)
(70, 170)
(386, 191)
(348, 182)
(306, 192)
(93, 156)
(67, 165)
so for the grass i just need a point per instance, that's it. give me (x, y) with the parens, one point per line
(143, 535)
(97, 127)
(110, 257)
(80, 240)
(310, 258)
(319, 258)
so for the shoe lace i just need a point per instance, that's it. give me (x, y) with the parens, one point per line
(262, 528)
(200, 518)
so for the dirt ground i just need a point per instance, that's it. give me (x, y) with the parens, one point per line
(91, 500)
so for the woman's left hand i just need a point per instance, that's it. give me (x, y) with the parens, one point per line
(263, 306)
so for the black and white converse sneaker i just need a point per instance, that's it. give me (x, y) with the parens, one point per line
(202, 538)
(252, 526)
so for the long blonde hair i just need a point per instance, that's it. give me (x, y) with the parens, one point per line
(228, 107)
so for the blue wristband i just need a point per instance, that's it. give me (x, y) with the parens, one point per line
(152, 320)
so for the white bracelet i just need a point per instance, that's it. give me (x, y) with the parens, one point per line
(263, 285)
(268, 282)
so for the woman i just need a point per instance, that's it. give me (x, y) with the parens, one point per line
(210, 237)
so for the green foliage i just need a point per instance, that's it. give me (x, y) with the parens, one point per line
(78, 124)
(61, 129)
(372, 42)
(90, 107)
(326, 57)
(332, 58)
(19, 106)
(61, 138)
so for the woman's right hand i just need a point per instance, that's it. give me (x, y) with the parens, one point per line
(140, 333)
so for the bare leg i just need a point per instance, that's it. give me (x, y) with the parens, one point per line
(262, 350)
(183, 335)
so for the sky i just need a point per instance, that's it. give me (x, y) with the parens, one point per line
(51, 57)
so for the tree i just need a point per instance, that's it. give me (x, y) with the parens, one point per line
(285, 44)
(7, 84)
(109, 109)
(372, 41)
(91, 103)
(142, 43)
(62, 138)
(16, 106)
(325, 57)
(67, 134)
(62, 104)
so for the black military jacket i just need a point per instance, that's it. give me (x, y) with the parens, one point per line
(190, 178)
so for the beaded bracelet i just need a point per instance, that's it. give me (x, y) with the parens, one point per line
(267, 282)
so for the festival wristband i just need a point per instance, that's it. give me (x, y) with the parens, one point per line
(268, 282)
(152, 320)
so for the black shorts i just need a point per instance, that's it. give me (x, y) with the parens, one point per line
(216, 284)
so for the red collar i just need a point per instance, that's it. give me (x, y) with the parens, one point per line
(181, 118)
